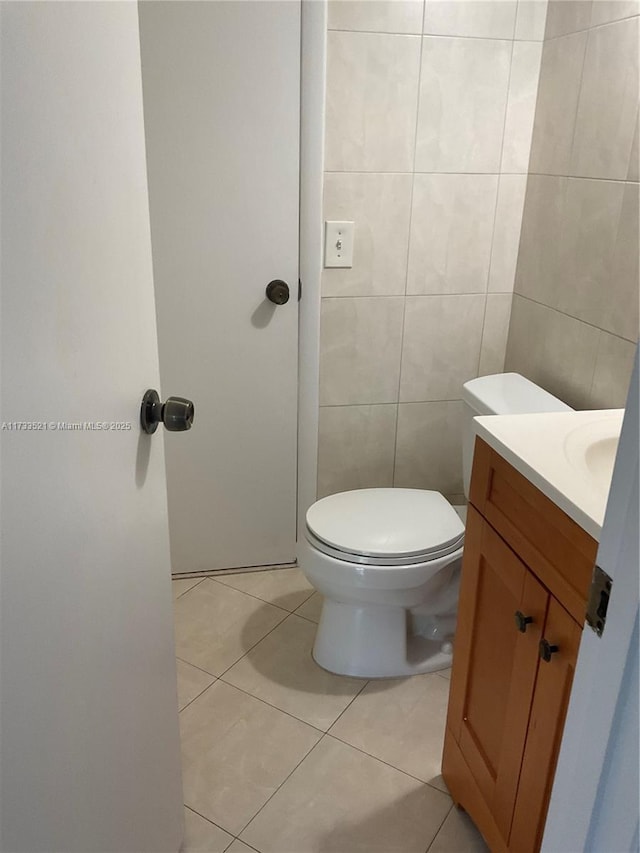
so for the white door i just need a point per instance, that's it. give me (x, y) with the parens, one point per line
(89, 756)
(221, 87)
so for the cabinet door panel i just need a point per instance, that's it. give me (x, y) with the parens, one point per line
(546, 724)
(494, 664)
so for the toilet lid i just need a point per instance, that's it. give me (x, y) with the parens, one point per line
(388, 523)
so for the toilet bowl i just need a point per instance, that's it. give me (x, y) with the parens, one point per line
(388, 561)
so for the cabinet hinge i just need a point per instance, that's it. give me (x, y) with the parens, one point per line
(601, 585)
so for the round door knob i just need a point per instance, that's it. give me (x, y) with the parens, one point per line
(546, 650)
(278, 292)
(176, 413)
(522, 621)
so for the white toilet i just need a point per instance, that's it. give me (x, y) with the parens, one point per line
(387, 561)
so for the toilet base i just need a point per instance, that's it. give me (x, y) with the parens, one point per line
(371, 641)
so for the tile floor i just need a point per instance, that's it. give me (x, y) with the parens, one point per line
(279, 756)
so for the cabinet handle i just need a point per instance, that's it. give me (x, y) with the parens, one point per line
(546, 650)
(522, 621)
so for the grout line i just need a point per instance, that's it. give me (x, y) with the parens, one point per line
(191, 701)
(591, 27)
(186, 590)
(195, 666)
(304, 758)
(571, 317)
(256, 597)
(235, 570)
(438, 35)
(386, 763)
(440, 827)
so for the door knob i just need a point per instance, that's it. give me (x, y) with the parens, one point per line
(278, 291)
(176, 413)
(522, 621)
(546, 650)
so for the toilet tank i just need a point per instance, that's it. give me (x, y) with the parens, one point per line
(500, 394)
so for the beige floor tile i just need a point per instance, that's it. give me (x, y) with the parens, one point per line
(236, 751)
(201, 836)
(191, 682)
(445, 673)
(342, 801)
(179, 587)
(281, 671)
(215, 625)
(400, 721)
(312, 608)
(286, 588)
(458, 835)
(239, 847)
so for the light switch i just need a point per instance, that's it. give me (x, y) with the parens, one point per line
(338, 244)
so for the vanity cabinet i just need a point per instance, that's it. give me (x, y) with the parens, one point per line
(525, 578)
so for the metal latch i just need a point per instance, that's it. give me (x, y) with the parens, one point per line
(598, 600)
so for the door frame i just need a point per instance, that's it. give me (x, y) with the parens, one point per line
(312, 112)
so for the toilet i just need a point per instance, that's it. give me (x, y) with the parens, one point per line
(387, 561)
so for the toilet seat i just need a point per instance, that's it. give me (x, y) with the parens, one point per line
(385, 527)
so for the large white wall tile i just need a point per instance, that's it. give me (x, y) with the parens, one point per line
(377, 16)
(540, 253)
(372, 85)
(531, 20)
(451, 227)
(360, 344)
(356, 447)
(479, 18)
(614, 363)
(380, 207)
(521, 106)
(463, 93)
(621, 307)
(558, 92)
(506, 232)
(429, 448)
(441, 346)
(604, 11)
(607, 107)
(495, 333)
(634, 159)
(567, 16)
(553, 350)
(588, 238)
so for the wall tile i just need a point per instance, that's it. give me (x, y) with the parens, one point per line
(605, 11)
(429, 449)
(494, 334)
(620, 310)
(451, 228)
(558, 92)
(531, 20)
(441, 346)
(614, 364)
(521, 106)
(372, 86)
(360, 344)
(506, 232)
(540, 254)
(634, 165)
(479, 18)
(380, 206)
(378, 16)
(356, 447)
(607, 107)
(567, 16)
(463, 91)
(588, 237)
(553, 350)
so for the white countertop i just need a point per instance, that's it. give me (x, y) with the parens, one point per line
(567, 455)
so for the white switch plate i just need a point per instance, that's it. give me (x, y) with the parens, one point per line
(338, 244)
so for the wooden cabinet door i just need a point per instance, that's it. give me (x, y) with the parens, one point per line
(548, 712)
(495, 664)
